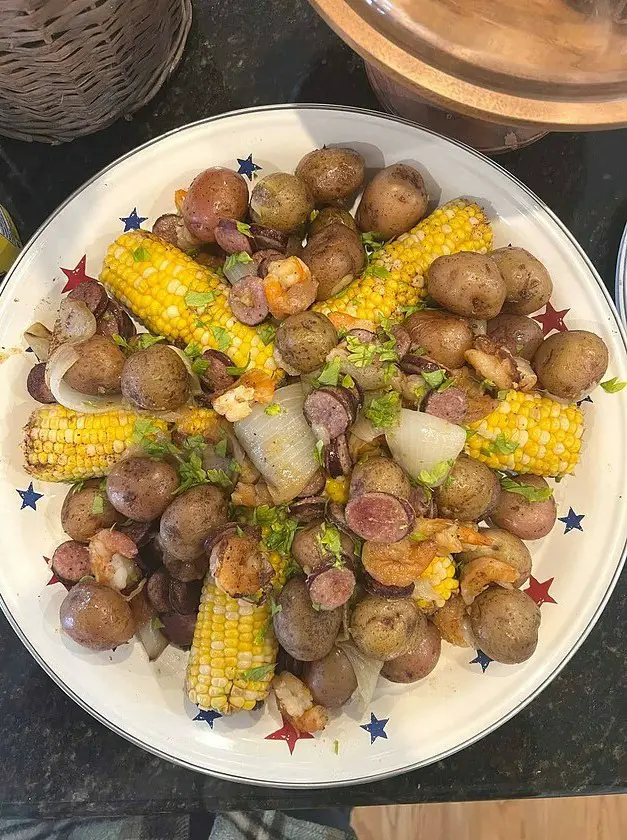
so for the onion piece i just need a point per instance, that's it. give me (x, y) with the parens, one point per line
(75, 323)
(281, 445)
(58, 365)
(152, 639)
(38, 338)
(422, 441)
(238, 270)
(366, 670)
(363, 428)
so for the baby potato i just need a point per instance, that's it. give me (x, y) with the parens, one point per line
(331, 216)
(444, 337)
(280, 201)
(504, 547)
(527, 281)
(189, 519)
(304, 633)
(419, 659)
(332, 175)
(155, 379)
(470, 492)
(331, 679)
(467, 284)
(87, 511)
(141, 488)
(522, 336)
(505, 624)
(96, 616)
(383, 627)
(379, 475)
(98, 369)
(217, 193)
(335, 256)
(526, 519)
(393, 202)
(304, 340)
(571, 364)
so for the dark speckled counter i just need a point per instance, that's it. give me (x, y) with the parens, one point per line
(57, 760)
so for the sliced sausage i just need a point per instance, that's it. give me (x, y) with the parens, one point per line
(379, 517)
(171, 228)
(140, 532)
(230, 239)
(331, 587)
(263, 259)
(422, 503)
(402, 339)
(314, 486)
(269, 239)
(375, 588)
(217, 377)
(337, 457)
(186, 570)
(362, 335)
(93, 295)
(158, 591)
(36, 384)
(419, 364)
(179, 629)
(115, 321)
(327, 414)
(450, 404)
(71, 562)
(247, 299)
(185, 597)
(308, 510)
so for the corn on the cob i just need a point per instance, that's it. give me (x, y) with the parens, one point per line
(528, 433)
(436, 584)
(180, 299)
(396, 275)
(63, 445)
(232, 659)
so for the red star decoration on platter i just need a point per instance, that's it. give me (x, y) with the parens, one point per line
(539, 592)
(552, 319)
(289, 734)
(55, 578)
(76, 275)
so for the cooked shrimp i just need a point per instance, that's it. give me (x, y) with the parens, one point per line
(399, 563)
(251, 495)
(111, 556)
(240, 567)
(478, 574)
(236, 403)
(295, 701)
(343, 321)
(289, 287)
(450, 537)
(499, 366)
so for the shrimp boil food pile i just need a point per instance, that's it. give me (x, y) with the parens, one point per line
(328, 451)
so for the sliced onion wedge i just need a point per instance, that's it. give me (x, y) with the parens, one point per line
(152, 639)
(38, 338)
(75, 323)
(422, 442)
(281, 445)
(366, 670)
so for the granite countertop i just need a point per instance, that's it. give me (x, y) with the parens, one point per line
(57, 760)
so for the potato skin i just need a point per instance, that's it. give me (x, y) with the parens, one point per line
(335, 256)
(331, 679)
(141, 488)
(383, 627)
(304, 633)
(522, 336)
(571, 364)
(98, 369)
(419, 659)
(467, 284)
(304, 340)
(528, 283)
(217, 193)
(331, 216)
(155, 379)
(505, 547)
(525, 519)
(96, 617)
(189, 519)
(393, 202)
(505, 624)
(280, 201)
(445, 337)
(470, 493)
(379, 475)
(77, 517)
(332, 175)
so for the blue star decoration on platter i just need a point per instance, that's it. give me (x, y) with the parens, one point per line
(481, 659)
(29, 497)
(376, 728)
(572, 521)
(132, 221)
(208, 716)
(247, 167)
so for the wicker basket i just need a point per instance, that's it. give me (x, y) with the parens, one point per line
(71, 67)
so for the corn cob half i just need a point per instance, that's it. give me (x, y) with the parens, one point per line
(396, 278)
(436, 584)
(180, 299)
(232, 658)
(528, 433)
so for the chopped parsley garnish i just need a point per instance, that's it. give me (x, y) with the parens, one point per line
(348, 381)
(613, 386)
(220, 448)
(330, 373)
(504, 446)
(193, 349)
(234, 370)
(487, 383)
(200, 366)
(156, 622)
(379, 271)
(266, 332)
(233, 259)
(244, 228)
(409, 310)
(329, 541)
(274, 609)
(360, 354)
(384, 411)
(273, 409)
(140, 342)
(435, 378)
(257, 674)
(198, 299)
(97, 505)
(318, 453)
(140, 254)
(417, 536)
(434, 476)
(221, 337)
(336, 747)
(532, 494)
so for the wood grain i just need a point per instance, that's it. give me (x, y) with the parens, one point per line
(577, 818)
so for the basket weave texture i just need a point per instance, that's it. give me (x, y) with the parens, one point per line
(71, 67)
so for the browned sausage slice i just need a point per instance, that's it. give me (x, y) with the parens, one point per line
(247, 299)
(403, 340)
(379, 517)
(362, 335)
(337, 457)
(450, 404)
(185, 597)
(331, 587)
(419, 364)
(115, 321)
(93, 295)
(71, 562)
(375, 588)
(263, 259)
(308, 510)
(422, 504)
(230, 238)
(269, 239)
(158, 591)
(140, 532)
(327, 414)
(217, 377)
(314, 486)
(179, 629)
(36, 384)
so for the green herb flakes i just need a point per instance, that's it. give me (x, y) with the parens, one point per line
(266, 332)
(257, 674)
(273, 410)
(233, 259)
(221, 338)
(97, 505)
(435, 476)
(330, 373)
(244, 228)
(318, 455)
(532, 494)
(613, 386)
(141, 254)
(384, 411)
